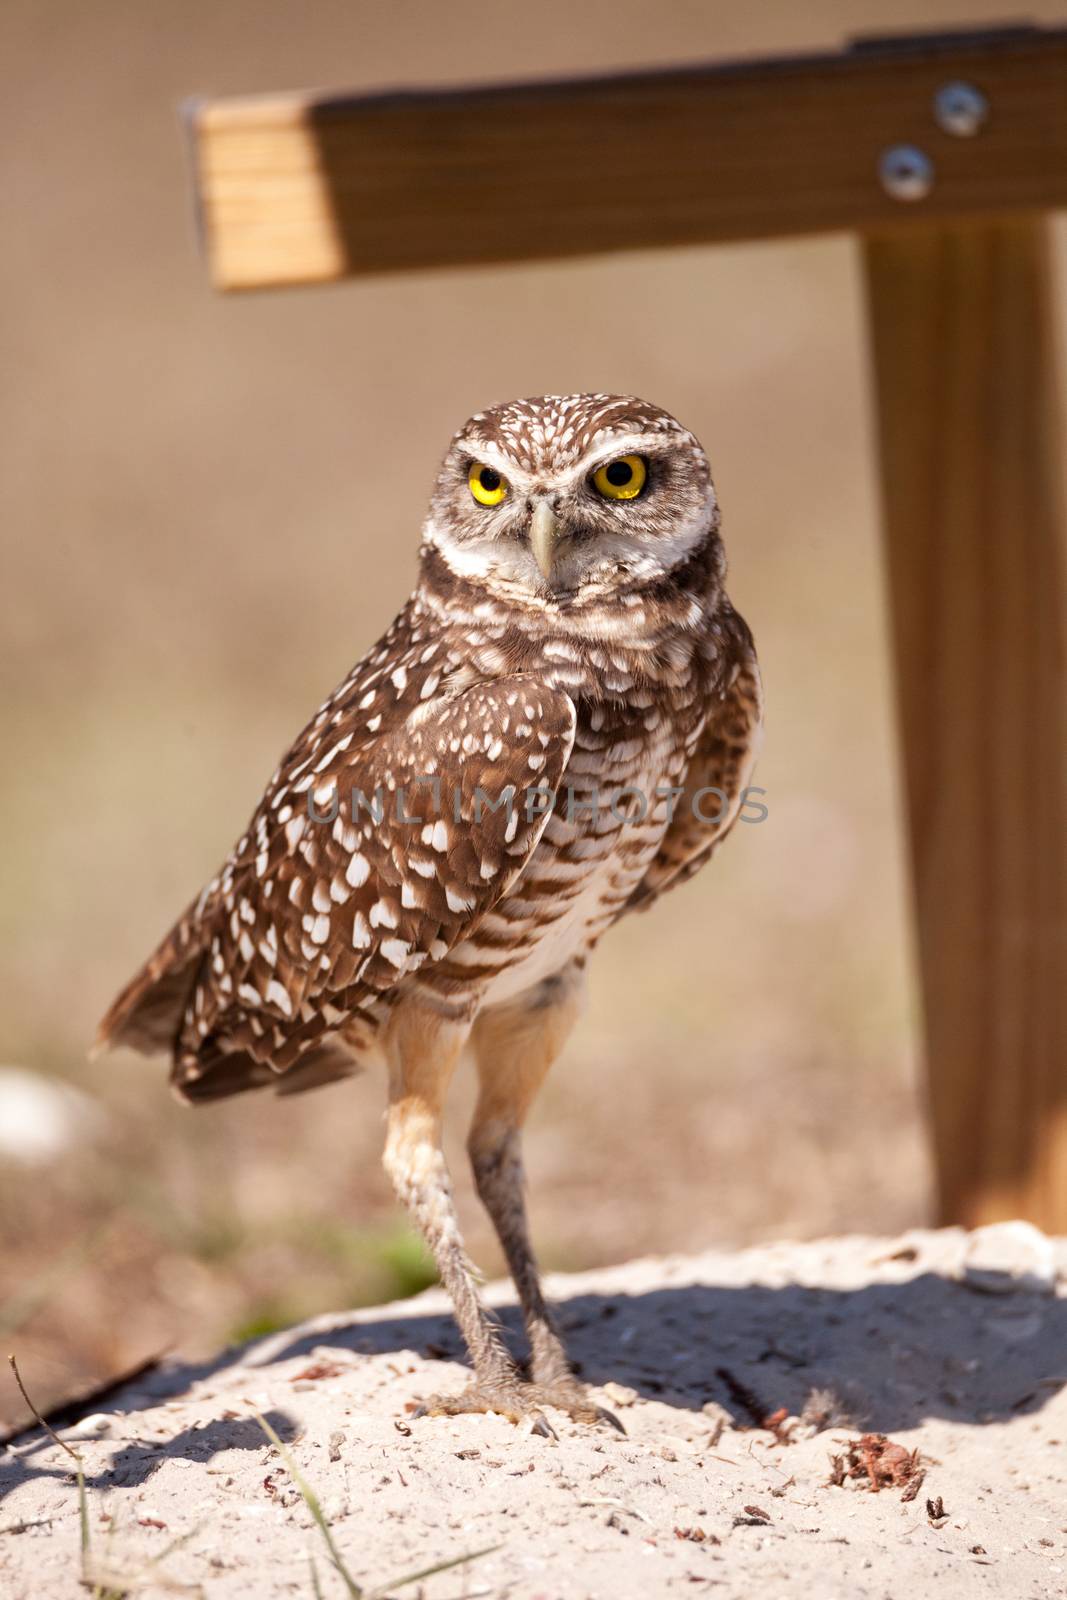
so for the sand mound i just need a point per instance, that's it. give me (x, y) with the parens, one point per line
(754, 1387)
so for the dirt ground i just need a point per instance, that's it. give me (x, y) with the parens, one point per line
(952, 1345)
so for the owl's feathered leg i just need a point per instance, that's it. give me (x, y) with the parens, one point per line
(422, 1049)
(514, 1047)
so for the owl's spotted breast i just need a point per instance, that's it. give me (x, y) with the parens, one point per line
(609, 819)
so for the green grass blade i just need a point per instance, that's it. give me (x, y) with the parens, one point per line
(83, 1515)
(311, 1500)
(175, 1544)
(83, 1497)
(428, 1572)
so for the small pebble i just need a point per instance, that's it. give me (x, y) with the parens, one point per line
(617, 1394)
(1009, 1257)
(97, 1426)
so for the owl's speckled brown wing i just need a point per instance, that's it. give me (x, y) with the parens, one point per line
(720, 766)
(311, 921)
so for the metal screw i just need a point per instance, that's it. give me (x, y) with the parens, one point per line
(960, 109)
(907, 173)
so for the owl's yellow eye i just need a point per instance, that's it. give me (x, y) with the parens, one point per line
(621, 479)
(486, 484)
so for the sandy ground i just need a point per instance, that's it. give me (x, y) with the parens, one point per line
(954, 1345)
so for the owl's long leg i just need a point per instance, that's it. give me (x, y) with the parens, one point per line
(422, 1049)
(514, 1047)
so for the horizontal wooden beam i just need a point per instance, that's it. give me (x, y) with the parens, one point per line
(300, 188)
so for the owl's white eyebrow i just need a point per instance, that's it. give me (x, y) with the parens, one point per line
(486, 456)
(620, 444)
(623, 444)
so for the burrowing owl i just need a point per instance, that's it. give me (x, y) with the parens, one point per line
(558, 726)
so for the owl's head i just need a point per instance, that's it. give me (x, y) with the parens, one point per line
(568, 496)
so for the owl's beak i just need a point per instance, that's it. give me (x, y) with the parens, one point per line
(544, 536)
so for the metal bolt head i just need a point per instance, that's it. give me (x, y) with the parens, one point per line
(907, 173)
(960, 109)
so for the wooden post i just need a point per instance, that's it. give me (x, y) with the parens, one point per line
(976, 540)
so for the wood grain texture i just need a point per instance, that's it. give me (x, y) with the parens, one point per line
(303, 188)
(972, 441)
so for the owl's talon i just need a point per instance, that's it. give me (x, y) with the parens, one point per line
(603, 1415)
(570, 1396)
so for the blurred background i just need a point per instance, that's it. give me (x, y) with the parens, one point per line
(211, 509)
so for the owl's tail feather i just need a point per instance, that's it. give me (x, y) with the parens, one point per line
(150, 1016)
(147, 1014)
(214, 1073)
